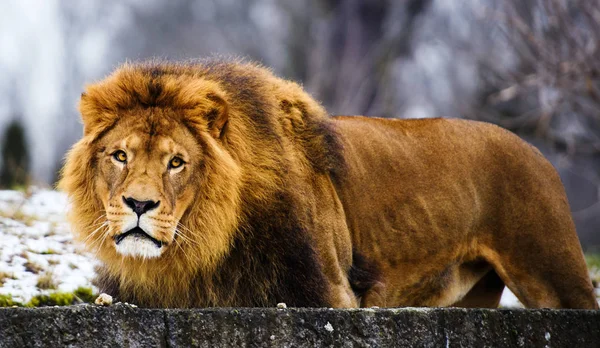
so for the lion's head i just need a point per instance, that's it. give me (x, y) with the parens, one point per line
(151, 168)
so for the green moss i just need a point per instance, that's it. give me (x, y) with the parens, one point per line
(20, 188)
(48, 252)
(593, 260)
(7, 301)
(54, 299)
(81, 294)
(84, 294)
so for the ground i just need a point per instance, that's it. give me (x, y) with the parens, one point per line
(38, 256)
(37, 253)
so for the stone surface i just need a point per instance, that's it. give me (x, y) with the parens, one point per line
(124, 326)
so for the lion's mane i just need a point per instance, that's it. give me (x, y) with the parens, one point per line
(252, 242)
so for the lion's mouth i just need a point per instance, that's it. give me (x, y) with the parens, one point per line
(139, 233)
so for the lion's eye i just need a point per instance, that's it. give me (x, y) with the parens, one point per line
(120, 156)
(176, 162)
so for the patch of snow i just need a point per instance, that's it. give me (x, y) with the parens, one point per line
(509, 300)
(10, 196)
(36, 241)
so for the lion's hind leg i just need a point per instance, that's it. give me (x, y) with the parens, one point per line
(557, 279)
(532, 243)
(485, 294)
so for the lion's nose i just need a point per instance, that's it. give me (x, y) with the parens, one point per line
(140, 207)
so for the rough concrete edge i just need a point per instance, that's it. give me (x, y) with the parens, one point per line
(575, 326)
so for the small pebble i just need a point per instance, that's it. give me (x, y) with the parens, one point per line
(104, 300)
(281, 305)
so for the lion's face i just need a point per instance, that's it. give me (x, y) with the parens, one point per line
(144, 167)
(153, 176)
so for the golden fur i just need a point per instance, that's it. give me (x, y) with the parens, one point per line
(277, 202)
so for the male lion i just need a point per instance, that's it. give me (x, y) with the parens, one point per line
(218, 184)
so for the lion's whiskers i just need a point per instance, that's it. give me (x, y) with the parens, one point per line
(94, 240)
(97, 231)
(96, 243)
(99, 217)
(94, 232)
(185, 238)
(179, 245)
(181, 229)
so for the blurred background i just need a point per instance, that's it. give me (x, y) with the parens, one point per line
(530, 66)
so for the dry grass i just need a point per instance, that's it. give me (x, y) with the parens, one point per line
(4, 276)
(52, 230)
(26, 219)
(46, 281)
(33, 267)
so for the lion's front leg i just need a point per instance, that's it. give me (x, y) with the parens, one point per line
(342, 297)
(374, 297)
(333, 244)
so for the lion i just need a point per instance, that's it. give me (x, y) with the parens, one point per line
(216, 183)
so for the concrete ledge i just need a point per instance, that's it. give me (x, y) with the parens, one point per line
(124, 326)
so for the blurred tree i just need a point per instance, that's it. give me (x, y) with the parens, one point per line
(551, 96)
(15, 157)
(553, 92)
(344, 50)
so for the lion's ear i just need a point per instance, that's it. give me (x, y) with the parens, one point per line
(217, 116)
(94, 118)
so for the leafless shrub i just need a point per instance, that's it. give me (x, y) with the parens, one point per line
(554, 91)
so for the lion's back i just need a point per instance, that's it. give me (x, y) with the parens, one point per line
(410, 175)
